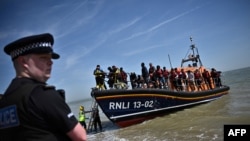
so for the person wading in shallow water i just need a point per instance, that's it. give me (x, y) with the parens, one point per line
(97, 119)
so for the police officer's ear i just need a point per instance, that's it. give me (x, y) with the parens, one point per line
(22, 61)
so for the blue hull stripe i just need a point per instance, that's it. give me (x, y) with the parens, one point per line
(163, 109)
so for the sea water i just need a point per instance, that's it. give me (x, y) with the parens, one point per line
(201, 123)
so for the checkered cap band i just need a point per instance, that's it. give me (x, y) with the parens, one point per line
(26, 48)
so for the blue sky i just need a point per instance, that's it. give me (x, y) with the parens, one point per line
(125, 33)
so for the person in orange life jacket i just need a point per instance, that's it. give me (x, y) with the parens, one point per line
(182, 78)
(99, 77)
(151, 71)
(37, 110)
(166, 76)
(207, 77)
(178, 80)
(198, 79)
(123, 76)
(172, 78)
(159, 76)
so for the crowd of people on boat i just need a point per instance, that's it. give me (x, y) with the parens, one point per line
(117, 77)
(182, 79)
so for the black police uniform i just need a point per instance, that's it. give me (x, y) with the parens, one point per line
(30, 110)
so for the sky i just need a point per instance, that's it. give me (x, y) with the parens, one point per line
(125, 33)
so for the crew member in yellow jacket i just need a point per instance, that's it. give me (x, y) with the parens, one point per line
(82, 116)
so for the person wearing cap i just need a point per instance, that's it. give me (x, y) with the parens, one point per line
(30, 109)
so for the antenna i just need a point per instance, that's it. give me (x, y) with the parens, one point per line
(192, 45)
(170, 61)
(191, 39)
(195, 58)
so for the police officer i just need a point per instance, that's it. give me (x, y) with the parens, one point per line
(29, 108)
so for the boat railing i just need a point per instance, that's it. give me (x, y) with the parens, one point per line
(177, 84)
(120, 85)
(180, 84)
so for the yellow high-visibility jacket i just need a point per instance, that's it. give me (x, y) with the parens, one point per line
(81, 116)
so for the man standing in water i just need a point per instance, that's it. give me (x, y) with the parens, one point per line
(30, 109)
(97, 119)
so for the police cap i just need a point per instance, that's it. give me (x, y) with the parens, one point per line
(37, 44)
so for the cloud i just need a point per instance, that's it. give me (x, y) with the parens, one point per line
(143, 50)
(76, 18)
(125, 25)
(75, 57)
(158, 25)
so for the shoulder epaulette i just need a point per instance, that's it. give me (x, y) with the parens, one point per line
(46, 87)
(62, 93)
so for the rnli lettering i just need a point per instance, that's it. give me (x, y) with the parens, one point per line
(132, 105)
(118, 105)
(8, 117)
